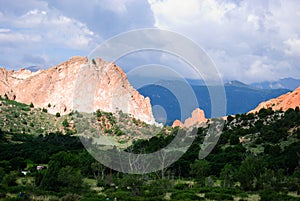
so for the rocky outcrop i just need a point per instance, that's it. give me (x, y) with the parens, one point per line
(283, 102)
(177, 123)
(198, 118)
(77, 84)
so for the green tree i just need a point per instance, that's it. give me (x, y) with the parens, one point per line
(234, 139)
(227, 176)
(18, 163)
(10, 178)
(2, 173)
(134, 182)
(70, 178)
(98, 170)
(200, 169)
(2, 137)
(249, 172)
(58, 161)
(57, 114)
(98, 113)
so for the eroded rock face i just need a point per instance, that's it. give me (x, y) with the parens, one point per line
(198, 118)
(283, 102)
(77, 84)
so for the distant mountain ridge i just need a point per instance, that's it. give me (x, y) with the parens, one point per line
(285, 83)
(240, 98)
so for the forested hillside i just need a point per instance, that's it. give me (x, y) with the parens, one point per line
(257, 157)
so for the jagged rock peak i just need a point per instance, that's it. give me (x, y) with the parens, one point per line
(283, 102)
(62, 87)
(198, 118)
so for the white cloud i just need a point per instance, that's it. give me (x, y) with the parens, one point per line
(9, 37)
(190, 12)
(293, 47)
(42, 30)
(4, 30)
(55, 28)
(117, 6)
(248, 40)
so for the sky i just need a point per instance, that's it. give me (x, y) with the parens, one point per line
(249, 40)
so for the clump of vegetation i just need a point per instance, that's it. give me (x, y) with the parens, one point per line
(57, 114)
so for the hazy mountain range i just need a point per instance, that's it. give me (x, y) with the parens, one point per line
(240, 98)
(285, 83)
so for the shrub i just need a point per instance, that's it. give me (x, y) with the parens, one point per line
(70, 197)
(234, 139)
(31, 105)
(298, 133)
(185, 196)
(181, 186)
(2, 192)
(98, 113)
(26, 109)
(230, 118)
(57, 114)
(44, 110)
(65, 123)
(270, 195)
(218, 196)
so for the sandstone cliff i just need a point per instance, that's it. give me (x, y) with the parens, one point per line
(198, 118)
(283, 102)
(77, 84)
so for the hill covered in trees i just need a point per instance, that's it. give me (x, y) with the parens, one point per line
(256, 158)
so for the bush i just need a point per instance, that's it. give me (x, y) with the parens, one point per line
(2, 193)
(31, 105)
(10, 179)
(298, 133)
(230, 118)
(57, 114)
(270, 195)
(181, 186)
(234, 139)
(185, 196)
(122, 195)
(218, 196)
(98, 113)
(44, 110)
(70, 197)
(65, 123)
(26, 109)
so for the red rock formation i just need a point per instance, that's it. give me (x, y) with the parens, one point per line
(177, 123)
(77, 83)
(283, 102)
(198, 117)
